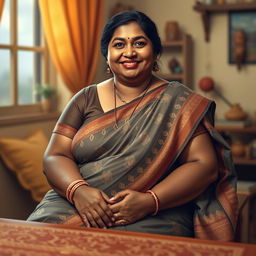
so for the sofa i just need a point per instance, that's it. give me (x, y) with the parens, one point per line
(15, 201)
(22, 182)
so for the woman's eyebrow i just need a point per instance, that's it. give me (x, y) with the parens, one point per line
(133, 38)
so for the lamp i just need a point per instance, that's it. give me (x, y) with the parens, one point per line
(235, 113)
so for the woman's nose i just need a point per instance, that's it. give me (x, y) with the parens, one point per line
(129, 52)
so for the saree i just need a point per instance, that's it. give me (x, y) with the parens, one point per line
(142, 149)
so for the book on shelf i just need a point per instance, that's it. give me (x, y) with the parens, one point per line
(232, 124)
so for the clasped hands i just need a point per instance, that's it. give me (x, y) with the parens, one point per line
(98, 210)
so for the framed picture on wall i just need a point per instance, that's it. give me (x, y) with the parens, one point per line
(242, 27)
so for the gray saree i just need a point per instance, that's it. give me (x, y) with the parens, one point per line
(140, 152)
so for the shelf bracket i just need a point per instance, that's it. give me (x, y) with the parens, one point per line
(206, 25)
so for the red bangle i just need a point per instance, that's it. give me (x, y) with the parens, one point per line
(156, 201)
(72, 188)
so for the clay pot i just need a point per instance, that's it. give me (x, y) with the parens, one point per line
(238, 149)
(172, 30)
(236, 113)
(46, 105)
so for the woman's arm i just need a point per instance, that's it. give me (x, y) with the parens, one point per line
(198, 169)
(59, 165)
(61, 170)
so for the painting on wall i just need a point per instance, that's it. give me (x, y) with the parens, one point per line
(242, 37)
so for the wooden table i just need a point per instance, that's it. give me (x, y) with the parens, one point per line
(29, 238)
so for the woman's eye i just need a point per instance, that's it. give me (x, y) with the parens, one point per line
(140, 44)
(119, 45)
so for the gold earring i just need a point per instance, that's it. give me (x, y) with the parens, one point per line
(155, 67)
(108, 70)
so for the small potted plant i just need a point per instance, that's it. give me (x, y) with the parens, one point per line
(46, 93)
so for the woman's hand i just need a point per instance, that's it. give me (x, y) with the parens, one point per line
(93, 207)
(129, 206)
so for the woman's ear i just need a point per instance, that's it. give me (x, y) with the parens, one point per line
(155, 66)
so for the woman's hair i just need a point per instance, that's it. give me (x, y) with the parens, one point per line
(123, 18)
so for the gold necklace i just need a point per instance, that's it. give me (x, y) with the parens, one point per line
(119, 95)
(115, 93)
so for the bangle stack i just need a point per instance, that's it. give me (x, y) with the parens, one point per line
(72, 187)
(156, 201)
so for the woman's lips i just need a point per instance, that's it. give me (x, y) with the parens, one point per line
(130, 64)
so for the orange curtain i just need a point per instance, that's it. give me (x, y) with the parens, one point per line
(1, 8)
(72, 29)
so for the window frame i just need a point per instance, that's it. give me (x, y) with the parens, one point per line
(15, 110)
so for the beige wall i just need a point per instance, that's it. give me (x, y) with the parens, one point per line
(210, 59)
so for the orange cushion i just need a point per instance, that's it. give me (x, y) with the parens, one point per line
(24, 158)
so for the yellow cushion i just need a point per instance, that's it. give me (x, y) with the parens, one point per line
(24, 157)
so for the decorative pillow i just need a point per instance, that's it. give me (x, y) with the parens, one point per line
(24, 157)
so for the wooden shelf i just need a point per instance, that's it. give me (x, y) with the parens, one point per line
(249, 129)
(207, 9)
(244, 161)
(176, 43)
(224, 7)
(184, 47)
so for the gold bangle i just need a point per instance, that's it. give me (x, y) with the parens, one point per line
(72, 187)
(156, 201)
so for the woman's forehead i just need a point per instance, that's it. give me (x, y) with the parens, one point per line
(130, 30)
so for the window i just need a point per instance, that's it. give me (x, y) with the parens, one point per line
(23, 55)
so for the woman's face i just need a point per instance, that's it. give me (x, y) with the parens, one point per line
(130, 53)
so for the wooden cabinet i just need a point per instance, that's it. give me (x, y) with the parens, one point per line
(182, 50)
(207, 10)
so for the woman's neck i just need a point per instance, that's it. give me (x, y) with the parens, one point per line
(130, 91)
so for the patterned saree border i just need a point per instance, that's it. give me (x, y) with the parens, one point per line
(213, 227)
(108, 118)
(186, 121)
(225, 193)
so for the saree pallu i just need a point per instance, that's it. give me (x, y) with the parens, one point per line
(140, 150)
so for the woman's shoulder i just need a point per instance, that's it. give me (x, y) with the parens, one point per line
(88, 89)
(175, 88)
(180, 88)
(84, 93)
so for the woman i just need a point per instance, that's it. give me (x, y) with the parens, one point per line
(136, 152)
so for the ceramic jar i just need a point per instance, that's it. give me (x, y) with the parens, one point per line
(172, 31)
(236, 113)
(238, 149)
